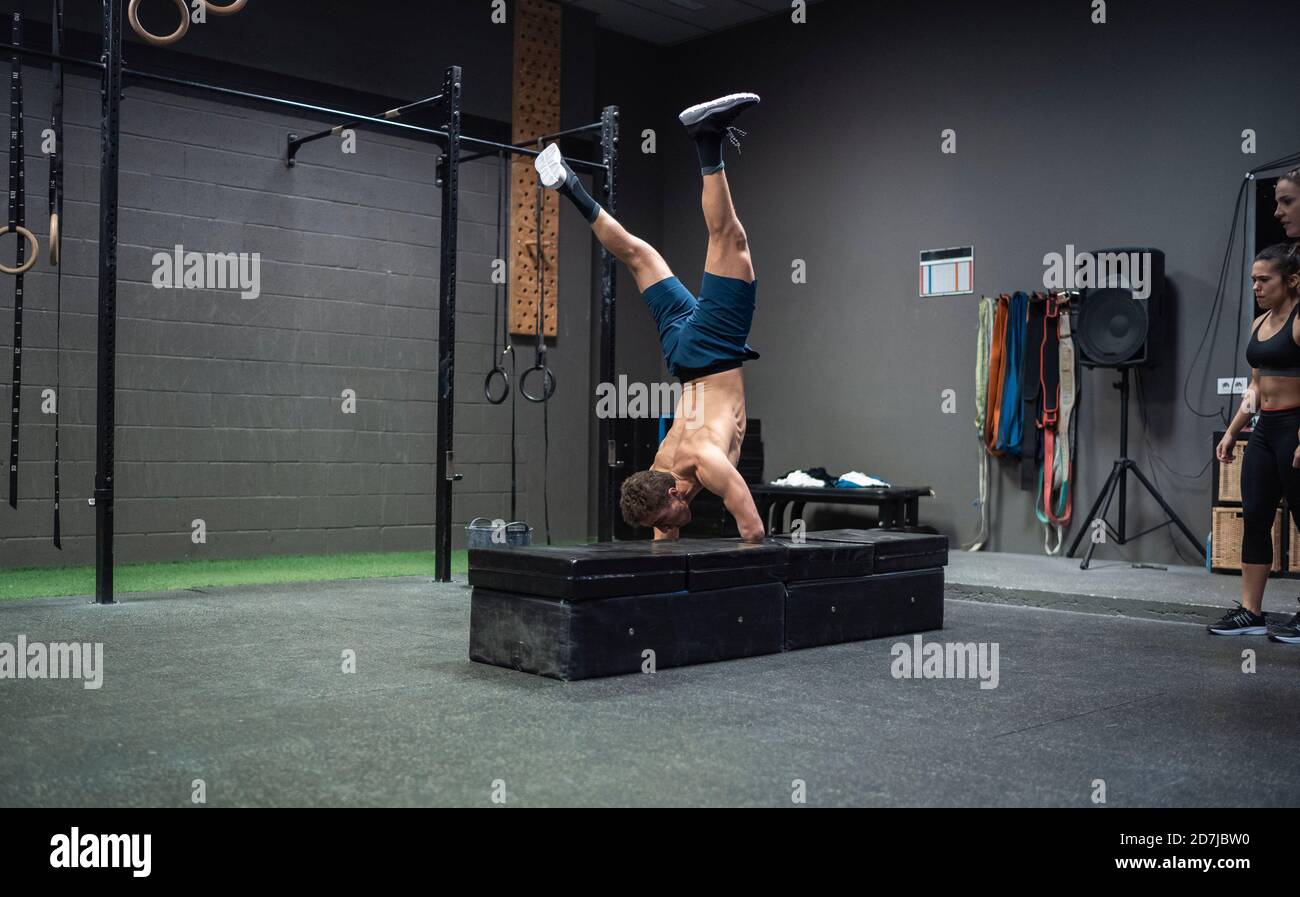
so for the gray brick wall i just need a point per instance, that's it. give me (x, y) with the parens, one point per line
(228, 409)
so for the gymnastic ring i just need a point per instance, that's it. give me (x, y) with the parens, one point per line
(157, 40)
(54, 238)
(228, 10)
(36, 250)
(548, 384)
(505, 385)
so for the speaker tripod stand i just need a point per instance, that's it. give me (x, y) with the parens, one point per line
(1117, 481)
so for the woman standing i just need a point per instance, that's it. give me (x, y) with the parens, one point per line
(1271, 465)
(1287, 195)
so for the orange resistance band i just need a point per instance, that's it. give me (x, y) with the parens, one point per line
(997, 374)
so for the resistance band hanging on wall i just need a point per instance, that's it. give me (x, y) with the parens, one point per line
(1011, 421)
(997, 374)
(17, 175)
(1047, 388)
(56, 220)
(1025, 372)
(983, 354)
(1056, 471)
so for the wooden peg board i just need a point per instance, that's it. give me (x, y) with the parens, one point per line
(536, 110)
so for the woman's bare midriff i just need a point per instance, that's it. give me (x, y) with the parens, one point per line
(1279, 393)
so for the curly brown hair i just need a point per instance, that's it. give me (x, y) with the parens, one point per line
(643, 494)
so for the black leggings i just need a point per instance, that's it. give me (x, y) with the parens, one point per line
(1267, 475)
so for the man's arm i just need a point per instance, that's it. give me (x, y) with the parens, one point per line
(715, 472)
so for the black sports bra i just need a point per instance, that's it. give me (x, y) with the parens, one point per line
(1277, 356)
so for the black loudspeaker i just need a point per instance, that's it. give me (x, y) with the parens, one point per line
(1113, 326)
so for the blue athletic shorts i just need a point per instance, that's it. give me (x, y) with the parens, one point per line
(705, 335)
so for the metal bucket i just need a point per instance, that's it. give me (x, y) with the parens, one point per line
(479, 535)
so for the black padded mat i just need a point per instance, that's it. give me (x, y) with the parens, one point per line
(719, 563)
(830, 611)
(893, 550)
(826, 560)
(578, 572)
(612, 569)
(585, 639)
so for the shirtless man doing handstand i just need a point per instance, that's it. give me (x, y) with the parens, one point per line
(703, 339)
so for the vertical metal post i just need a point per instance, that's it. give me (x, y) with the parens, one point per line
(606, 448)
(445, 474)
(17, 218)
(109, 134)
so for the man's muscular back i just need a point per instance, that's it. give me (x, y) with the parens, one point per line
(703, 446)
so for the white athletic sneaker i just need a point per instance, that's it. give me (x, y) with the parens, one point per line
(552, 168)
(722, 110)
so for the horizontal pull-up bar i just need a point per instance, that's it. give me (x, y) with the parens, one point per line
(498, 148)
(526, 144)
(295, 141)
(225, 91)
(491, 146)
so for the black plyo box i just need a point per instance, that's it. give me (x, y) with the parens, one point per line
(719, 563)
(570, 640)
(893, 550)
(830, 611)
(580, 572)
(827, 560)
(611, 569)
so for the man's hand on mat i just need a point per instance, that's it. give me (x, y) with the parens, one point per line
(715, 472)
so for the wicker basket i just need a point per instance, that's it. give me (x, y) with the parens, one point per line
(1229, 479)
(1292, 547)
(1225, 546)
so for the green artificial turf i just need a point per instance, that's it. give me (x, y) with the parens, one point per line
(49, 582)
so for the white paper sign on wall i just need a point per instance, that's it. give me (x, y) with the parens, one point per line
(947, 272)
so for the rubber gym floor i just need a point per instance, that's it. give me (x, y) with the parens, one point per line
(243, 689)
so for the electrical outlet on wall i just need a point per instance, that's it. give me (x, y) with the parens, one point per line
(1239, 386)
(1225, 386)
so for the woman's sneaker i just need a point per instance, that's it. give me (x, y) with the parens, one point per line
(1240, 621)
(1287, 633)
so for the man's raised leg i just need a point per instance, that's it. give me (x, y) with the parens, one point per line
(643, 260)
(728, 253)
(709, 124)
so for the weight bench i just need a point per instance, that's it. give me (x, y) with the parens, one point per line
(898, 506)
